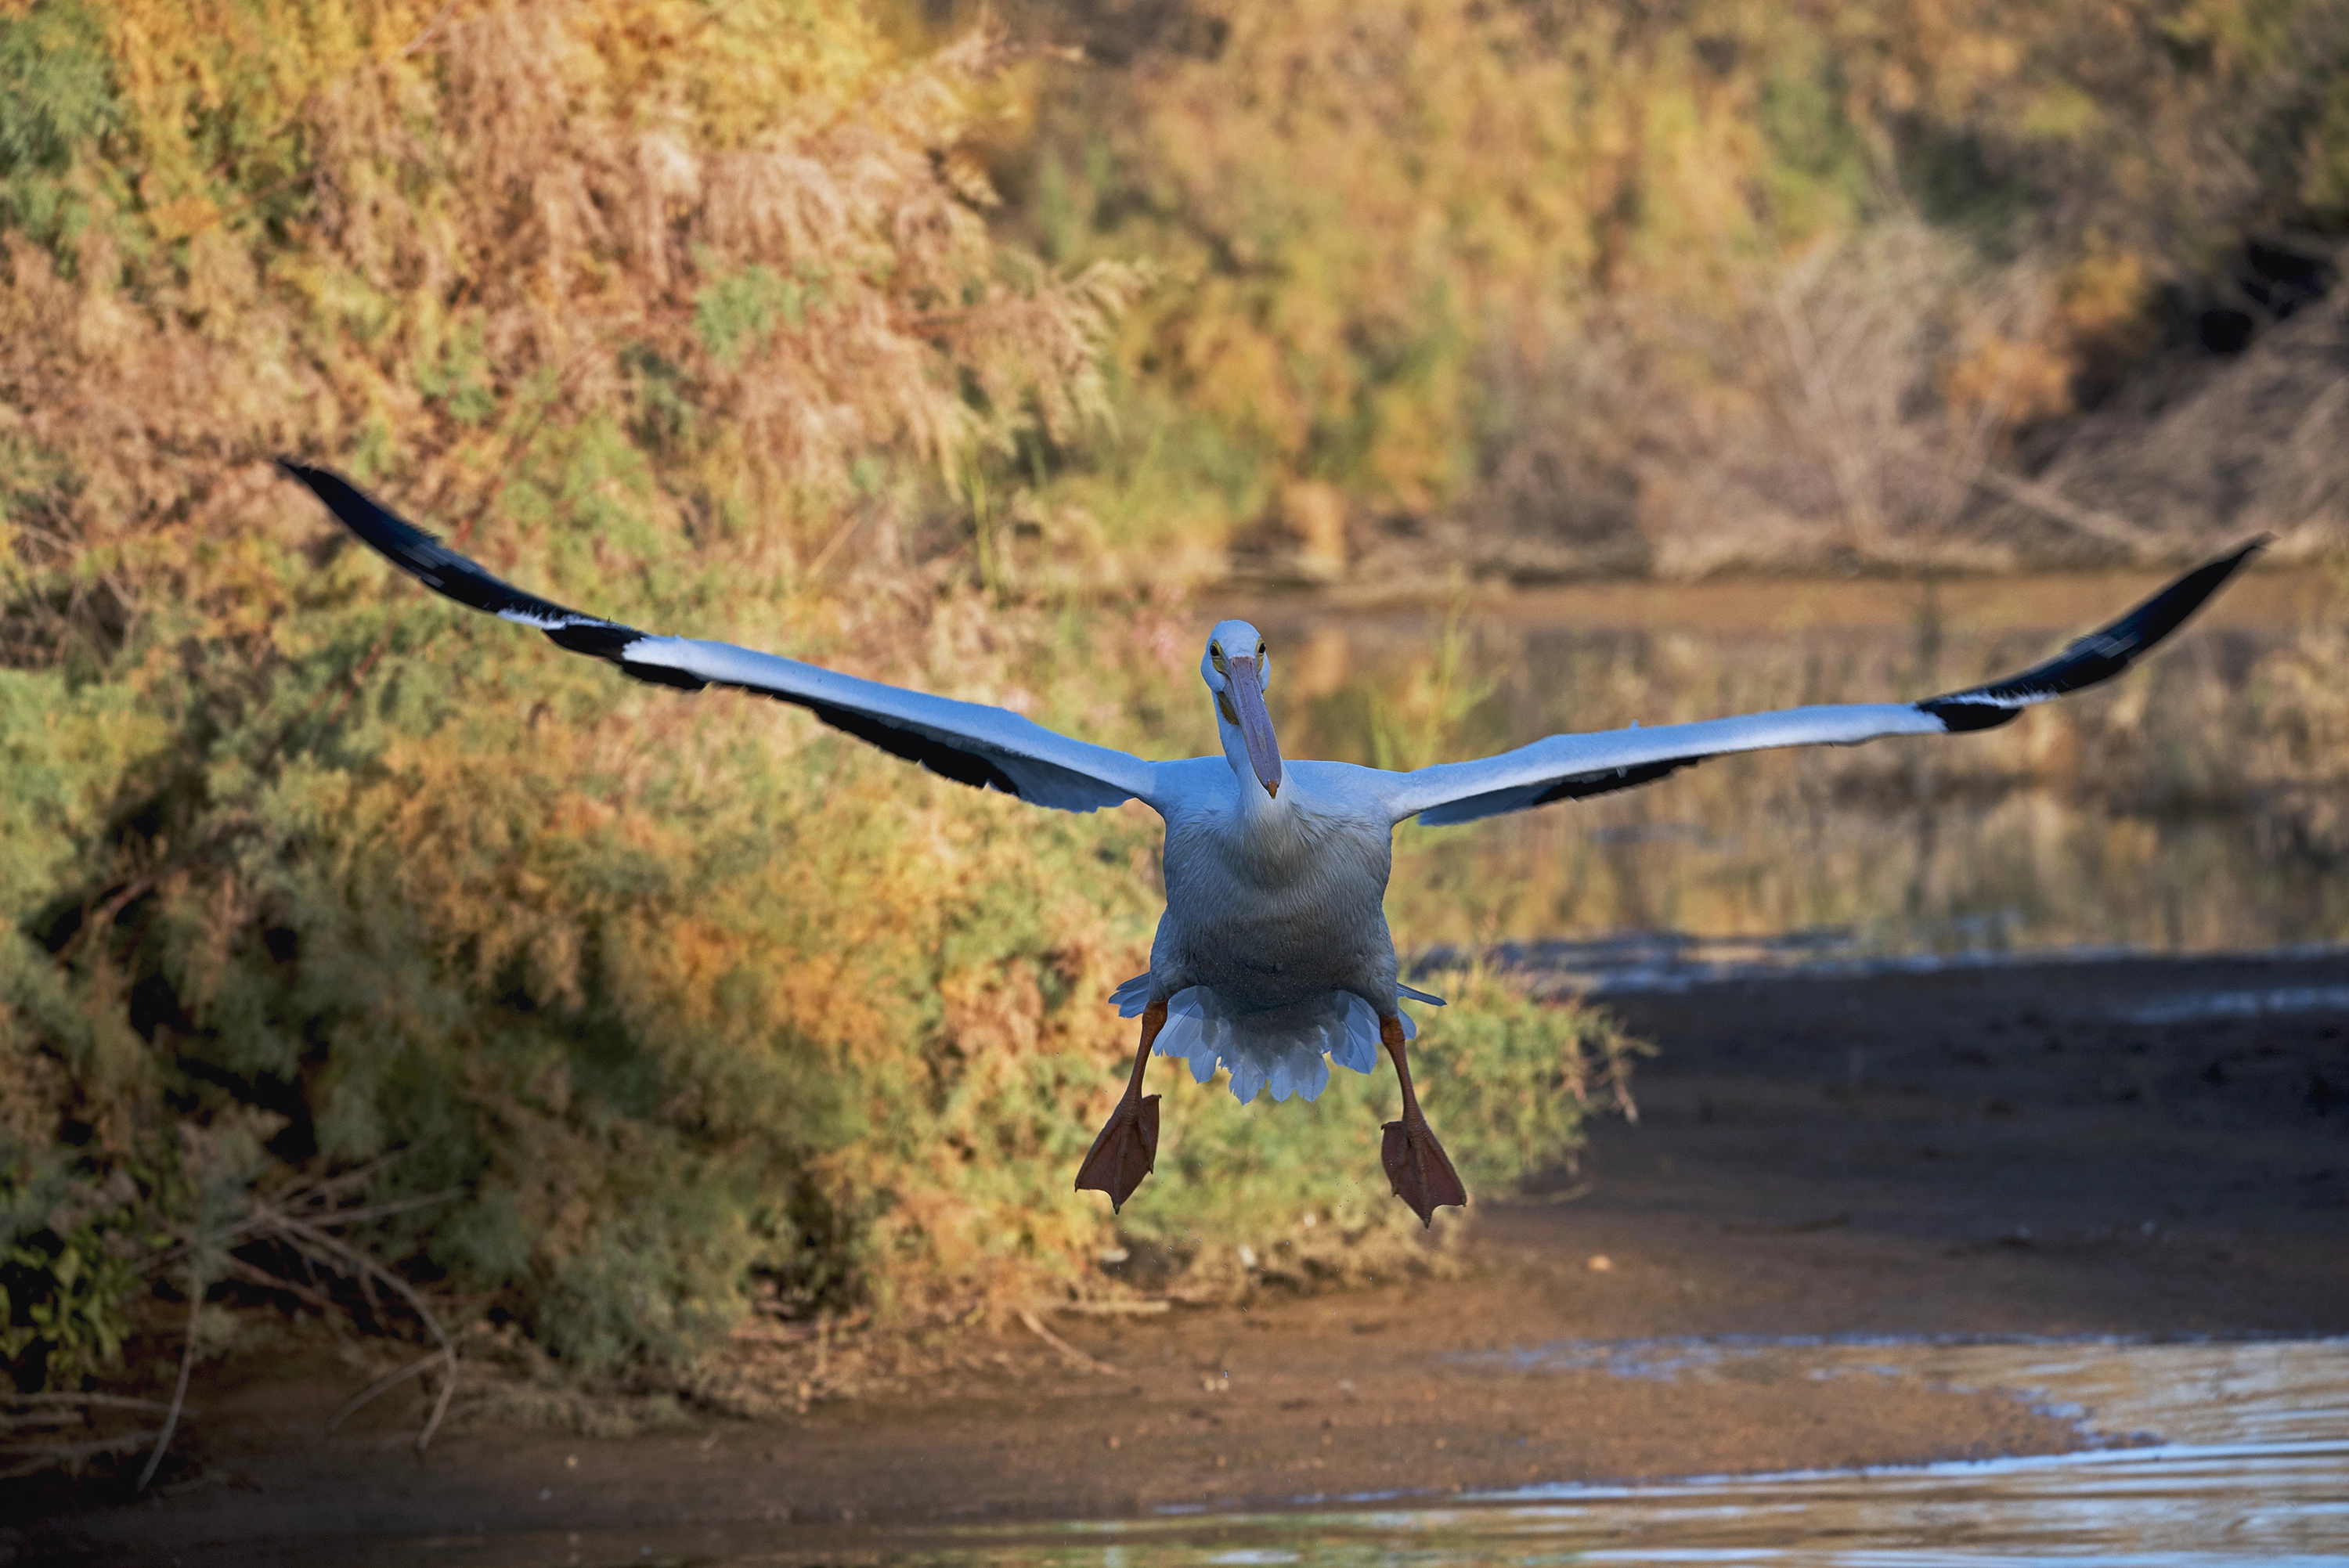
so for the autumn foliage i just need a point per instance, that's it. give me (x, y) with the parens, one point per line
(691, 314)
(1558, 288)
(954, 356)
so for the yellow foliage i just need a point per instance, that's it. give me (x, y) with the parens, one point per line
(707, 316)
(669, 307)
(2010, 381)
(1517, 274)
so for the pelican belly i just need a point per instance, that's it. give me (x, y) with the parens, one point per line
(1285, 1049)
(1274, 957)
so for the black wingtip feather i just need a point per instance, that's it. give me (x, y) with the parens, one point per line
(445, 571)
(947, 762)
(1585, 786)
(2098, 656)
(453, 576)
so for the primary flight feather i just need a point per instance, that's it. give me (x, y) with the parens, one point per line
(1273, 959)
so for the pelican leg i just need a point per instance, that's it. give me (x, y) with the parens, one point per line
(1127, 1147)
(1416, 1165)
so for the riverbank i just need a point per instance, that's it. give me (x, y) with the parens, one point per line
(1996, 1153)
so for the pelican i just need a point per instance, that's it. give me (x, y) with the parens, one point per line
(1273, 958)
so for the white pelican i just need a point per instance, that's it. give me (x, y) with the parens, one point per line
(1273, 957)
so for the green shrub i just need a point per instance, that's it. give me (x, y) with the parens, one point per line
(70, 1252)
(687, 312)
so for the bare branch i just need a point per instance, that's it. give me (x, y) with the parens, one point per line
(383, 1384)
(367, 1269)
(2050, 502)
(69, 1456)
(1069, 1352)
(179, 1394)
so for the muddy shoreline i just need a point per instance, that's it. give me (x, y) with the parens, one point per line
(1995, 1153)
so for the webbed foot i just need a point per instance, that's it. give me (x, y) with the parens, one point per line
(1125, 1151)
(1419, 1169)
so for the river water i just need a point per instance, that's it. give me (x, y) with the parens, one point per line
(2200, 1453)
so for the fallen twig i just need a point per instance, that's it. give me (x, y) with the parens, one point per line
(109, 1401)
(382, 1385)
(34, 1421)
(69, 1456)
(56, 1416)
(1074, 1357)
(179, 1393)
(1148, 1306)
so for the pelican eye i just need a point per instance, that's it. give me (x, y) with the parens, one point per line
(1216, 654)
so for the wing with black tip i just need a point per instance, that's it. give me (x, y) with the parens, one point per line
(1576, 767)
(971, 743)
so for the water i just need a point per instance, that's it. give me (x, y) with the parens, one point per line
(1677, 961)
(2194, 1008)
(2195, 1454)
(2206, 1454)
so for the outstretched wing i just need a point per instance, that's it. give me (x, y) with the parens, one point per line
(971, 743)
(1576, 767)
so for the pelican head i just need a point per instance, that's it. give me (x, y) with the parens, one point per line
(1238, 668)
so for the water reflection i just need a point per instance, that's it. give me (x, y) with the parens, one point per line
(2192, 1007)
(2215, 1453)
(1678, 960)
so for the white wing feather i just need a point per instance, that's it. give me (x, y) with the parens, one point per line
(1571, 766)
(1045, 766)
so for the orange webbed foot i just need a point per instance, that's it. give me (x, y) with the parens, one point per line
(1419, 1171)
(1125, 1151)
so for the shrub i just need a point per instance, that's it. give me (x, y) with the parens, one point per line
(689, 315)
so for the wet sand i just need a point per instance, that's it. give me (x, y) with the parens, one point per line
(1982, 1153)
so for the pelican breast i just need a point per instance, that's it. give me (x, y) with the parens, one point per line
(1274, 953)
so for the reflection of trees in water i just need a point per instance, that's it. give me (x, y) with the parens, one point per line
(2189, 807)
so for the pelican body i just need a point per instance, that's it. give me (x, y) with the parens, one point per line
(1274, 954)
(1273, 959)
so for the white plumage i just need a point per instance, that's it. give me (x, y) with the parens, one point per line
(1273, 958)
(1280, 1048)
